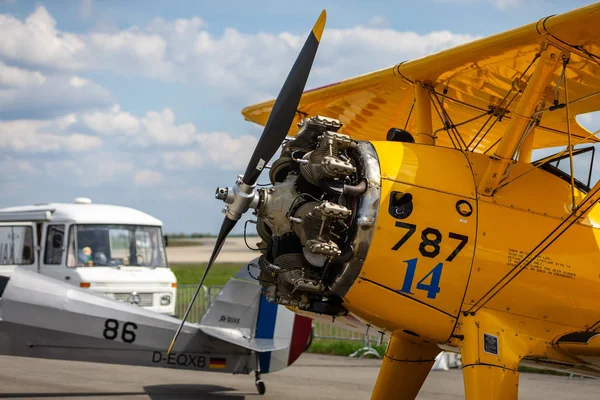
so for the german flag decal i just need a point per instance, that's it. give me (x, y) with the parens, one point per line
(218, 363)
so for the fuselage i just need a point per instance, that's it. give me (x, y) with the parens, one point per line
(433, 259)
(399, 235)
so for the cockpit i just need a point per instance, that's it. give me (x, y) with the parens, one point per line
(583, 163)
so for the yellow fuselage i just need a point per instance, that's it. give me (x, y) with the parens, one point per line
(424, 271)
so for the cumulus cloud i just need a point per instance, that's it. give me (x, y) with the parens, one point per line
(49, 102)
(128, 51)
(14, 169)
(33, 95)
(112, 122)
(499, 4)
(36, 41)
(160, 128)
(179, 160)
(502, 4)
(43, 136)
(81, 132)
(236, 62)
(379, 21)
(14, 77)
(227, 152)
(217, 149)
(147, 178)
(89, 169)
(156, 127)
(590, 121)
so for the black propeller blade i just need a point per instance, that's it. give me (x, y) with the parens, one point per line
(226, 228)
(284, 109)
(276, 129)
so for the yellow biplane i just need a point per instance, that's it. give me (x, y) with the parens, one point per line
(407, 199)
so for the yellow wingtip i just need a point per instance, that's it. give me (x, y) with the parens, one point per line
(320, 25)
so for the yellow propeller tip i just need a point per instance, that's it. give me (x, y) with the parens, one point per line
(170, 347)
(320, 25)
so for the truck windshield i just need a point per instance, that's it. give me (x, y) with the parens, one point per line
(115, 245)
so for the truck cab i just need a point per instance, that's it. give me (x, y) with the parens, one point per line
(113, 250)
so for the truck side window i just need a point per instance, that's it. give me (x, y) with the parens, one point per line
(71, 254)
(54, 244)
(16, 245)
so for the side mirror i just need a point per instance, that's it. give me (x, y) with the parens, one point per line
(166, 240)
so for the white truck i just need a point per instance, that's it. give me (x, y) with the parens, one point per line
(113, 250)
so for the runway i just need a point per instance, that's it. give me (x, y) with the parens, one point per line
(234, 250)
(312, 377)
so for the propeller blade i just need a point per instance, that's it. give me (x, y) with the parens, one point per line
(284, 109)
(275, 131)
(226, 227)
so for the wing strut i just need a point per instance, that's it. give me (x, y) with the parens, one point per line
(503, 155)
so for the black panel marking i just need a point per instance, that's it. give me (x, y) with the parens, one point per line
(490, 344)
(464, 208)
(578, 337)
(401, 205)
(3, 282)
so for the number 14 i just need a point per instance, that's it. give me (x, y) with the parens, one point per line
(432, 288)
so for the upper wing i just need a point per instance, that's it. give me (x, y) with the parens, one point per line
(477, 76)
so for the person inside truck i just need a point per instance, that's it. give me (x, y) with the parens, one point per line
(85, 256)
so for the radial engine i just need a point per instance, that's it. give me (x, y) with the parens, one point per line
(316, 219)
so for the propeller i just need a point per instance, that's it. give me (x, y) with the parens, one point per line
(243, 196)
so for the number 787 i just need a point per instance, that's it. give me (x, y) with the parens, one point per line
(430, 248)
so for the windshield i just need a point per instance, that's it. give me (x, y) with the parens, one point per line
(583, 162)
(113, 245)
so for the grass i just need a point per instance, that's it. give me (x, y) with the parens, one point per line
(339, 347)
(191, 273)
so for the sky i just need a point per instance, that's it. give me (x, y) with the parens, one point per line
(138, 103)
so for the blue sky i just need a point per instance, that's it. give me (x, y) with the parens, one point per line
(138, 103)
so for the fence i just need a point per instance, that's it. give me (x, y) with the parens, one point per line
(185, 293)
(322, 330)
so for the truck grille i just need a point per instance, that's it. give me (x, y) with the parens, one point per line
(140, 299)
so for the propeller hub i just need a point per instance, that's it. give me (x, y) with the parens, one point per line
(239, 199)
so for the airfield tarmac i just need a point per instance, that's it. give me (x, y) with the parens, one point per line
(311, 377)
(234, 250)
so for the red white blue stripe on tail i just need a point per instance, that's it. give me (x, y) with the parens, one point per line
(275, 321)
